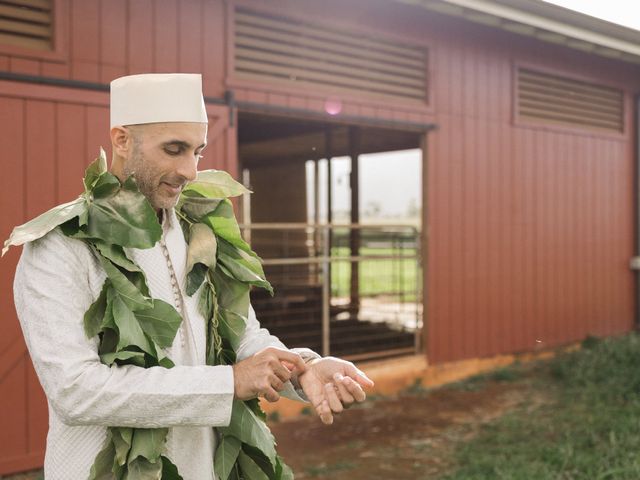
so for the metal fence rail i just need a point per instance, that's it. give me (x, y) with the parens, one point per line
(348, 290)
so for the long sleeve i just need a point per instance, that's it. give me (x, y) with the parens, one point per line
(256, 338)
(56, 281)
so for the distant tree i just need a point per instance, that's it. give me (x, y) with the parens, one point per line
(413, 209)
(373, 209)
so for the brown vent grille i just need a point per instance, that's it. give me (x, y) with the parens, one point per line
(26, 23)
(566, 101)
(270, 48)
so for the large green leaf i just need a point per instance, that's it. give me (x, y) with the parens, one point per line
(160, 323)
(128, 327)
(197, 207)
(116, 254)
(121, 437)
(232, 294)
(226, 456)
(283, 472)
(216, 184)
(125, 218)
(43, 224)
(135, 358)
(102, 468)
(232, 326)
(250, 469)
(131, 295)
(201, 254)
(260, 460)
(148, 443)
(105, 186)
(244, 267)
(94, 170)
(223, 222)
(169, 470)
(95, 314)
(143, 469)
(248, 428)
(202, 246)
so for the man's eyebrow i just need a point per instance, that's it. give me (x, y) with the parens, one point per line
(182, 144)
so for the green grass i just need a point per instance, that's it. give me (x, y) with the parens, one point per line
(377, 276)
(590, 431)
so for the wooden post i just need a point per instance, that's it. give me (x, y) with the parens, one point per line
(354, 238)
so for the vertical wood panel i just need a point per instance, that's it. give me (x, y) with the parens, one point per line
(431, 209)
(40, 141)
(85, 40)
(495, 243)
(97, 129)
(85, 24)
(12, 210)
(166, 35)
(140, 36)
(468, 240)
(190, 36)
(481, 243)
(37, 417)
(71, 149)
(113, 36)
(13, 411)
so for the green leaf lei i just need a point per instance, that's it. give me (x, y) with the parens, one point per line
(133, 328)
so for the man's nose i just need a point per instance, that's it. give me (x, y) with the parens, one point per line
(188, 168)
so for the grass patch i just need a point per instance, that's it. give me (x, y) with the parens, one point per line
(510, 373)
(377, 276)
(326, 469)
(589, 432)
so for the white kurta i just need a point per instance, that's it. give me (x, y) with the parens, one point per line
(56, 281)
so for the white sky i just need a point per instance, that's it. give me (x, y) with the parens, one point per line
(623, 12)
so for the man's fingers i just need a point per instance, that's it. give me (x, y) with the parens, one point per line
(276, 383)
(290, 357)
(359, 376)
(281, 371)
(332, 398)
(324, 412)
(355, 389)
(345, 396)
(271, 395)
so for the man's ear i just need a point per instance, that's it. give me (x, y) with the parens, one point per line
(121, 141)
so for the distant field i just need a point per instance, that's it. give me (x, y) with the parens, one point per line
(377, 276)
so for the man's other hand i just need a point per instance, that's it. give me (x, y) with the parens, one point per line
(332, 384)
(264, 374)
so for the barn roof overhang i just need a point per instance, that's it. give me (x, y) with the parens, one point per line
(546, 22)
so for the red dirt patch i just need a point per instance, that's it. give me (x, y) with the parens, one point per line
(411, 436)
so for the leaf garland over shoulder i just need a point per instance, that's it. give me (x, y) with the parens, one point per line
(133, 328)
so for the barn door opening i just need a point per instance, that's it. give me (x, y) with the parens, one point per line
(335, 214)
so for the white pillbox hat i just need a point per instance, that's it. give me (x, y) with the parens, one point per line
(156, 98)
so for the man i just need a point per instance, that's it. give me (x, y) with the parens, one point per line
(158, 133)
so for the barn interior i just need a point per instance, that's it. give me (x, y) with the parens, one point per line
(274, 153)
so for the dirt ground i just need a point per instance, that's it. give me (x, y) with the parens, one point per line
(411, 436)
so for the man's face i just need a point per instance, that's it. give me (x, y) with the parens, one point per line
(164, 157)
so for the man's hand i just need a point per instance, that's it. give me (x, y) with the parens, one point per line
(264, 374)
(332, 385)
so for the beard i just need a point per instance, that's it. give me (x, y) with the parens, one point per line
(149, 180)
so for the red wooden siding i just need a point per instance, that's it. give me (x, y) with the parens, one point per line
(531, 226)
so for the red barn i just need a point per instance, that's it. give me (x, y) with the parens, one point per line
(525, 112)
